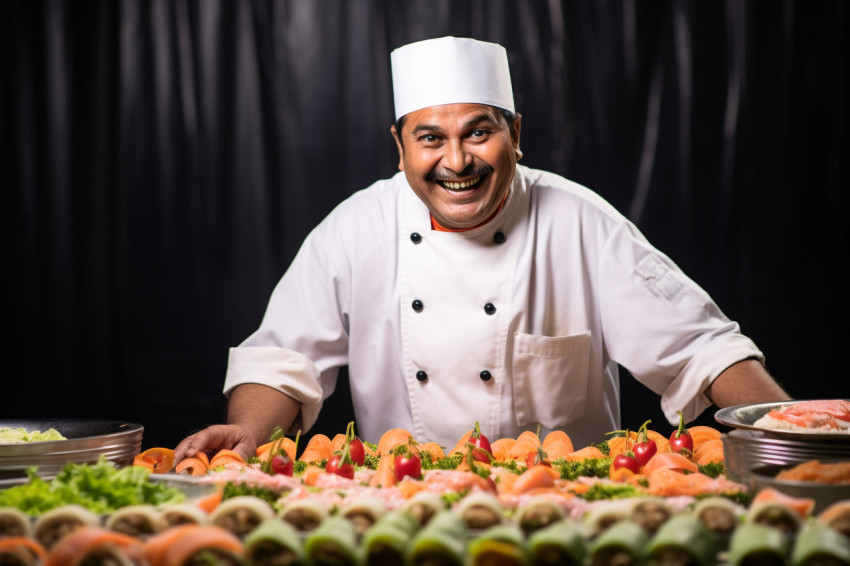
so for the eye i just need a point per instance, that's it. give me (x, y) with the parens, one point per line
(479, 134)
(429, 138)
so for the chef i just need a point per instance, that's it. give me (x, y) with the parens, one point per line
(470, 288)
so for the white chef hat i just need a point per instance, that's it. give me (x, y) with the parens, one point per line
(450, 70)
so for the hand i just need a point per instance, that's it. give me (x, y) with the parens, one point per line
(215, 438)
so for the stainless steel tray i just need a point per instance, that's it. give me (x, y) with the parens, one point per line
(87, 440)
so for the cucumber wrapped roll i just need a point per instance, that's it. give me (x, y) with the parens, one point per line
(775, 514)
(719, 514)
(818, 544)
(425, 505)
(754, 544)
(605, 515)
(136, 520)
(500, 544)
(333, 543)
(274, 543)
(14, 523)
(622, 543)
(558, 544)
(242, 514)
(650, 512)
(55, 524)
(837, 516)
(304, 514)
(385, 543)
(364, 513)
(442, 541)
(538, 513)
(480, 510)
(683, 539)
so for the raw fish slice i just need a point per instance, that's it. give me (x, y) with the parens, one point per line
(95, 544)
(827, 415)
(206, 544)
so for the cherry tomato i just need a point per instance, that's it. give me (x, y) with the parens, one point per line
(482, 451)
(681, 440)
(407, 464)
(626, 460)
(282, 464)
(644, 448)
(336, 465)
(356, 451)
(538, 458)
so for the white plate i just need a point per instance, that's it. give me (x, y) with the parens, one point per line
(745, 417)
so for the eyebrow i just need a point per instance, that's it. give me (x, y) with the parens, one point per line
(483, 117)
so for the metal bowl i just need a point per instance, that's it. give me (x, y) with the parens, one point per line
(86, 441)
(822, 494)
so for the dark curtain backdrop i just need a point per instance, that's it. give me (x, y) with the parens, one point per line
(163, 160)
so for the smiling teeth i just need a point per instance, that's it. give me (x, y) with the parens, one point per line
(462, 184)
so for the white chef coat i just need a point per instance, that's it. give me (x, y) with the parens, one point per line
(518, 323)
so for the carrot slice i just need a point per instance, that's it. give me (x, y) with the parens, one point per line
(320, 444)
(521, 449)
(586, 452)
(191, 467)
(620, 475)
(529, 437)
(557, 436)
(163, 459)
(202, 456)
(391, 439)
(669, 460)
(287, 444)
(208, 503)
(501, 448)
(558, 449)
(709, 456)
(225, 457)
(433, 449)
(701, 433)
(144, 462)
(461, 443)
(535, 477)
(385, 475)
(706, 446)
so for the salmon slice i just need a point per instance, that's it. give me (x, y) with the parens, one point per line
(828, 414)
(534, 478)
(205, 537)
(73, 548)
(671, 461)
(801, 505)
(24, 547)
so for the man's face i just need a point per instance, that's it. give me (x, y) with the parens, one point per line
(459, 159)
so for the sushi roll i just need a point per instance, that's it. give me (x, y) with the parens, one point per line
(424, 505)
(14, 523)
(334, 542)
(136, 520)
(649, 512)
(442, 541)
(480, 510)
(500, 544)
(364, 513)
(191, 544)
(682, 540)
(601, 518)
(538, 513)
(837, 516)
(183, 514)
(62, 521)
(385, 543)
(21, 551)
(304, 514)
(558, 544)
(622, 543)
(90, 544)
(719, 514)
(818, 544)
(775, 514)
(753, 544)
(274, 543)
(241, 515)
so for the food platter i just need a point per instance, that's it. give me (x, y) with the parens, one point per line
(745, 417)
(86, 441)
(822, 494)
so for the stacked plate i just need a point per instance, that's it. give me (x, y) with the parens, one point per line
(86, 441)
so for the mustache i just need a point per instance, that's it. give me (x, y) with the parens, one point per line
(472, 170)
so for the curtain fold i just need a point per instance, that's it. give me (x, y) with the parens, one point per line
(162, 162)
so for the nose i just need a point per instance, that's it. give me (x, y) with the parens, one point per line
(456, 158)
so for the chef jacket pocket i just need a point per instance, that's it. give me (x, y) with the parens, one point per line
(550, 376)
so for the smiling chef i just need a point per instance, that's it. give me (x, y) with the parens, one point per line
(470, 288)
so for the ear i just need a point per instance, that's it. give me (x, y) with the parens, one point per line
(515, 135)
(399, 146)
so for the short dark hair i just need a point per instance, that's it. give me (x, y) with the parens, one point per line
(509, 116)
